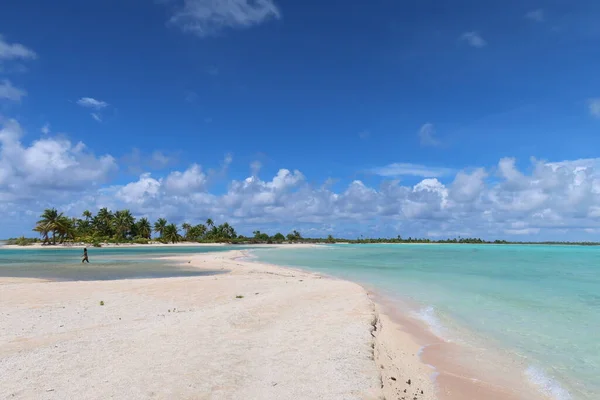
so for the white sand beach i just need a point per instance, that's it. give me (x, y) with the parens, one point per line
(256, 332)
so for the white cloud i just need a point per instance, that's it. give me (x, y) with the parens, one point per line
(49, 163)
(209, 17)
(90, 102)
(45, 129)
(427, 135)
(594, 107)
(474, 39)
(536, 15)
(466, 188)
(11, 93)
(160, 159)
(551, 198)
(407, 169)
(96, 117)
(140, 192)
(14, 51)
(189, 181)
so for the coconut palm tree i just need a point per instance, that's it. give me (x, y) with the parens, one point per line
(43, 231)
(49, 222)
(227, 231)
(198, 232)
(143, 228)
(171, 233)
(210, 223)
(188, 230)
(87, 215)
(159, 226)
(103, 222)
(123, 223)
(66, 228)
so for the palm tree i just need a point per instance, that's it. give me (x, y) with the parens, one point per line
(123, 222)
(228, 231)
(171, 233)
(103, 222)
(159, 226)
(198, 232)
(49, 222)
(210, 223)
(87, 215)
(43, 231)
(65, 227)
(143, 228)
(187, 228)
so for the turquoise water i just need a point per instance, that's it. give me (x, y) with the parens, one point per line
(539, 303)
(105, 263)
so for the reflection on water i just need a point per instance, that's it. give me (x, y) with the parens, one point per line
(105, 264)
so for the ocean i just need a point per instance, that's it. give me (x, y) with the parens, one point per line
(537, 304)
(64, 264)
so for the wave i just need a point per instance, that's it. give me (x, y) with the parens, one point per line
(546, 384)
(429, 316)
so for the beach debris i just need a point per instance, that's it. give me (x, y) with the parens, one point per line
(392, 378)
(239, 296)
(101, 302)
(408, 381)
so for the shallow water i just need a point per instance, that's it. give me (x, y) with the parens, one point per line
(105, 263)
(540, 304)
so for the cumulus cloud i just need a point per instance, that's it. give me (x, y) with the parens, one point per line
(188, 181)
(14, 51)
(427, 135)
(209, 17)
(11, 93)
(90, 102)
(47, 164)
(503, 200)
(474, 39)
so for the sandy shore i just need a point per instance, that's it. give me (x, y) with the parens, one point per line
(256, 332)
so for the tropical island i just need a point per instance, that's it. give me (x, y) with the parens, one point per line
(121, 227)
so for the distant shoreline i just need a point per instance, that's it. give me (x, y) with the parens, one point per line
(39, 246)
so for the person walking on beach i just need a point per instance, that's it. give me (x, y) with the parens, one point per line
(85, 256)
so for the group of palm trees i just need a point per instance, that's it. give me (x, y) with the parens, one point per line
(121, 226)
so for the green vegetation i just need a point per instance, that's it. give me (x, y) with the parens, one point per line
(101, 302)
(239, 297)
(122, 227)
(22, 241)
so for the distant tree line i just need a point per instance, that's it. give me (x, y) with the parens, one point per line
(121, 226)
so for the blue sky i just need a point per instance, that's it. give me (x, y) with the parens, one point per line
(375, 118)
